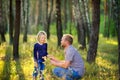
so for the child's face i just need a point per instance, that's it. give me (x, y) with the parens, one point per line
(42, 39)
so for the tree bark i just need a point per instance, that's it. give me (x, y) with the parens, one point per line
(65, 14)
(94, 36)
(71, 16)
(48, 18)
(11, 23)
(58, 21)
(26, 8)
(116, 18)
(79, 19)
(86, 19)
(106, 27)
(17, 30)
(2, 24)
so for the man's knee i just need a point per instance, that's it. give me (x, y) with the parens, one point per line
(58, 71)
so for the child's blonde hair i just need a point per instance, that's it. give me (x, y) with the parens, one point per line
(41, 33)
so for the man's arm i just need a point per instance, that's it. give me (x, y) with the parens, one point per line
(63, 64)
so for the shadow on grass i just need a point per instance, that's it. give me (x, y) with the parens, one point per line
(6, 68)
(19, 70)
(109, 52)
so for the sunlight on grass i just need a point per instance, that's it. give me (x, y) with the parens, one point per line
(112, 42)
(105, 67)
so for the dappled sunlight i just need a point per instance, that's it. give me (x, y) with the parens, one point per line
(105, 63)
(113, 42)
(32, 38)
(105, 66)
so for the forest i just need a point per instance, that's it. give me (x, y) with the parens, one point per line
(94, 24)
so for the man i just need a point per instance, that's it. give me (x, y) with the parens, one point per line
(72, 68)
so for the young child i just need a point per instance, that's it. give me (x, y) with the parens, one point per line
(40, 52)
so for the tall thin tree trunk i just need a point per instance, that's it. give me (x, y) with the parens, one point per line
(71, 15)
(26, 8)
(109, 17)
(2, 24)
(48, 18)
(58, 21)
(65, 14)
(87, 19)
(94, 36)
(11, 23)
(116, 18)
(106, 27)
(17, 30)
(79, 19)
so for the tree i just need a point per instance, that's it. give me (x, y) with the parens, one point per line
(106, 27)
(94, 36)
(2, 23)
(80, 24)
(58, 21)
(17, 30)
(11, 20)
(48, 17)
(85, 13)
(70, 15)
(116, 18)
(26, 19)
(65, 14)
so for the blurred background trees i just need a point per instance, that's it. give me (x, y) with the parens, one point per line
(84, 18)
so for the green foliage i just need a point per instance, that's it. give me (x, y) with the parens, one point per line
(109, 27)
(105, 67)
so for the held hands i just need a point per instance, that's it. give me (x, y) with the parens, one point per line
(45, 58)
(48, 57)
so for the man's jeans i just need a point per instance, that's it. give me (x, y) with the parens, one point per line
(67, 74)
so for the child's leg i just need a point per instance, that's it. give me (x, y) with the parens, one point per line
(41, 68)
(35, 73)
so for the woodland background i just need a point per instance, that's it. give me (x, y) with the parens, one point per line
(94, 24)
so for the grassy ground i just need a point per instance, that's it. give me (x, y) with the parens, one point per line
(105, 67)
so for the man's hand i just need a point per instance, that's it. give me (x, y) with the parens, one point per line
(51, 57)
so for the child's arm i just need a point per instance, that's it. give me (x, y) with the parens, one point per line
(35, 53)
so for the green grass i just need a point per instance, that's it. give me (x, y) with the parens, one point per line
(105, 67)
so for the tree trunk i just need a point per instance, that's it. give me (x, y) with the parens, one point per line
(106, 27)
(65, 15)
(48, 18)
(79, 19)
(109, 17)
(26, 8)
(116, 18)
(17, 30)
(71, 16)
(86, 19)
(11, 23)
(2, 24)
(94, 36)
(58, 21)
(40, 13)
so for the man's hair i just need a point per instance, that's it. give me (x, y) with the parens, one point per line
(69, 38)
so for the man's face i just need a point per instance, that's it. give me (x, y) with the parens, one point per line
(63, 42)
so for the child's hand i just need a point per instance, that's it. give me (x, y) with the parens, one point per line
(35, 64)
(45, 57)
